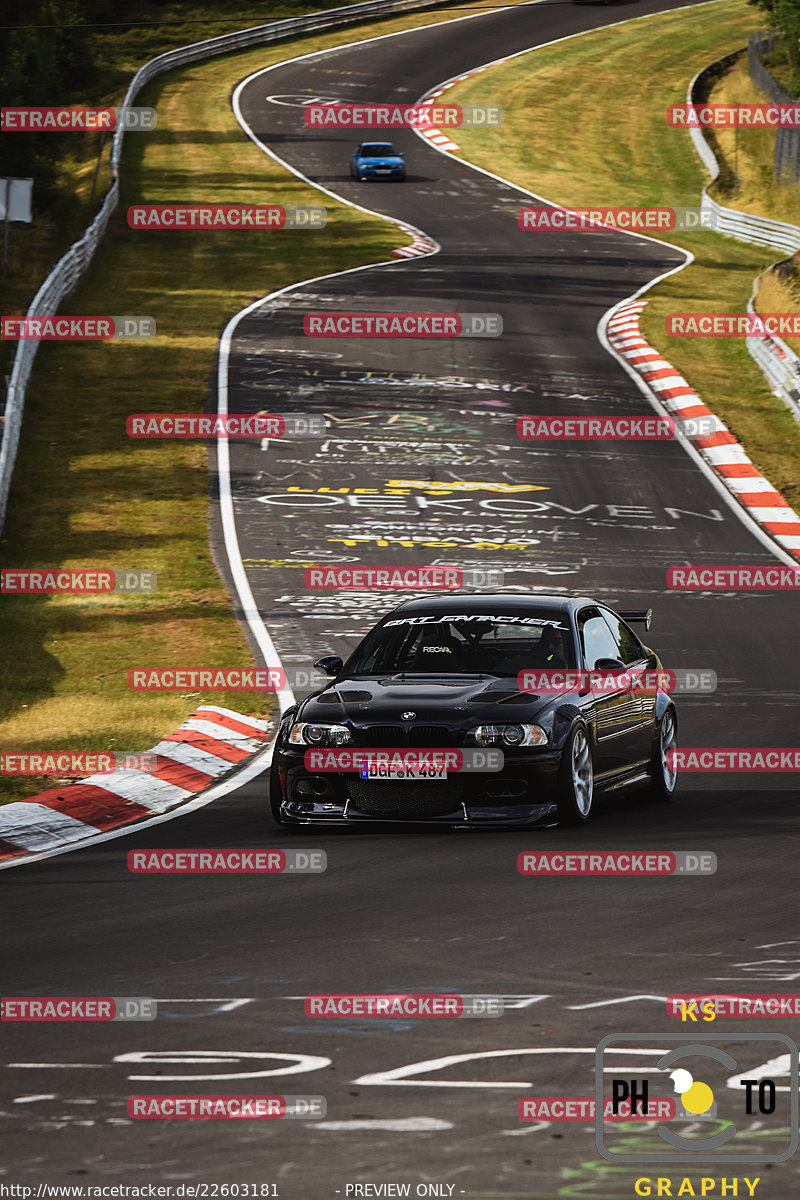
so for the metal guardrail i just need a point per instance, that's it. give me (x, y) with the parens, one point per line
(778, 362)
(786, 157)
(69, 269)
(780, 365)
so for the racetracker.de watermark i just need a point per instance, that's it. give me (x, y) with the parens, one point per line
(57, 580)
(555, 681)
(612, 429)
(601, 217)
(69, 763)
(77, 1008)
(37, 119)
(617, 862)
(226, 216)
(226, 1108)
(733, 579)
(403, 325)
(734, 116)
(402, 1005)
(416, 762)
(227, 862)
(206, 679)
(427, 579)
(229, 425)
(725, 324)
(734, 759)
(581, 1108)
(76, 329)
(680, 681)
(402, 116)
(708, 1006)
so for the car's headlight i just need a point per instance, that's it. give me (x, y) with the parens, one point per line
(507, 735)
(306, 733)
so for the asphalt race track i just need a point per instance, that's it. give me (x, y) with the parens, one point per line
(229, 958)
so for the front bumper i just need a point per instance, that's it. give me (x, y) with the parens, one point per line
(382, 172)
(523, 793)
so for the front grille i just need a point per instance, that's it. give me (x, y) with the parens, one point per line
(405, 799)
(382, 735)
(429, 736)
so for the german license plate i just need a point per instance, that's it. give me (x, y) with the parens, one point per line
(420, 773)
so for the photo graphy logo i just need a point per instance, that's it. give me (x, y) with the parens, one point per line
(717, 1081)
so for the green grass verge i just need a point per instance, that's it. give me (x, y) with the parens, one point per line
(581, 129)
(83, 494)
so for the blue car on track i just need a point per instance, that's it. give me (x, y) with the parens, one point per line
(377, 160)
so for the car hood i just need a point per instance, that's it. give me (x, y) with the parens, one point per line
(458, 700)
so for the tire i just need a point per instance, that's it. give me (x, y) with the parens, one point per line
(275, 795)
(575, 779)
(663, 780)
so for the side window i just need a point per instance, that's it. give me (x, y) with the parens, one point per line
(597, 640)
(630, 648)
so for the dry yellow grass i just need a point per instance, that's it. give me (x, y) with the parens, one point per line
(779, 291)
(621, 151)
(748, 155)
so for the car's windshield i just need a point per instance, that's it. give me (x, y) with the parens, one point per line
(377, 150)
(465, 644)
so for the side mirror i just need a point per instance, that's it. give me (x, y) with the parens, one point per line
(331, 665)
(609, 664)
(401, 153)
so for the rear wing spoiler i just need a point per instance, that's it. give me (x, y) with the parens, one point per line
(637, 616)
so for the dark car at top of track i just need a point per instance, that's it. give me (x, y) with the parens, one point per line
(444, 675)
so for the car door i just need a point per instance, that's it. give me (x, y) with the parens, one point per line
(621, 736)
(633, 654)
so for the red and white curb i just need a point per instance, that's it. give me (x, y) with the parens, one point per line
(719, 449)
(420, 245)
(211, 743)
(442, 140)
(430, 131)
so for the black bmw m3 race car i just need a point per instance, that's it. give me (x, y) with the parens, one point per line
(489, 710)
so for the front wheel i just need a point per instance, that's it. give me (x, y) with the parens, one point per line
(575, 779)
(663, 775)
